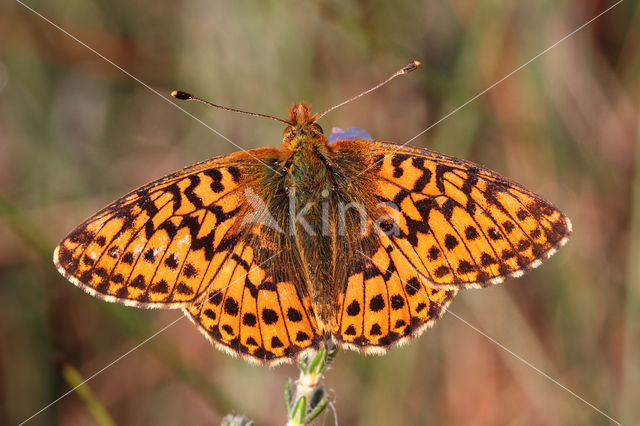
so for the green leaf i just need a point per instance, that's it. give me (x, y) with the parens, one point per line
(316, 397)
(299, 412)
(317, 364)
(317, 410)
(76, 381)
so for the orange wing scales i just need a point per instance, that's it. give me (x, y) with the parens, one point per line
(461, 225)
(155, 246)
(246, 313)
(386, 302)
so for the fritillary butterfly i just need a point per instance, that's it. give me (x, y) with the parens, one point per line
(273, 252)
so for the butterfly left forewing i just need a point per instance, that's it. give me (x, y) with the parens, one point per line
(159, 245)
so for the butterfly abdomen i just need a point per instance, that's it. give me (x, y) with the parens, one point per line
(331, 202)
(308, 225)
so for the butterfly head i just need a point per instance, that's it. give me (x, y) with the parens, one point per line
(302, 132)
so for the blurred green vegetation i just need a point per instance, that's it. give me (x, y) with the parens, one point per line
(76, 133)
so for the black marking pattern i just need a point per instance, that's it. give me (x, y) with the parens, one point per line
(462, 225)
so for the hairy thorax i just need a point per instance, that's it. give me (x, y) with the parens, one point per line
(318, 197)
(312, 224)
(310, 180)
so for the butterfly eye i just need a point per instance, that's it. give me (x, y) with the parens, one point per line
(289, 134)
(316, 130)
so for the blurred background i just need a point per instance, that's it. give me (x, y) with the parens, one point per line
(77, 133)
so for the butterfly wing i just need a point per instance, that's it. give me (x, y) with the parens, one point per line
(254, 309)
(159, 245)
(461, 224)
(181, 242)
(440, 224)
(386, 302)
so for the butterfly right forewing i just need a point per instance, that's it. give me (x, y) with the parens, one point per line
(461, 224)
(448, 224)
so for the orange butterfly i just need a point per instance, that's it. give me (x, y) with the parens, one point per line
(272, 252)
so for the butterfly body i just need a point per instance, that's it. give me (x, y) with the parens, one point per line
(311, 187)
(274, 252)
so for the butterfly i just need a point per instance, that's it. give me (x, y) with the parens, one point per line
(274, 252)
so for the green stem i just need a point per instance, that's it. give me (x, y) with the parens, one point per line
(74, 379)
(310, 398)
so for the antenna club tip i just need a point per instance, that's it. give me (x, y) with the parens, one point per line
(411, 66)
(181, 95)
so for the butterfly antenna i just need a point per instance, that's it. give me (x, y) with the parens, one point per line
(184, 96)
(406, 69)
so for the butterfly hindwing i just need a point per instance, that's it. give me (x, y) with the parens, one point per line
(253, 308)
(386, 302)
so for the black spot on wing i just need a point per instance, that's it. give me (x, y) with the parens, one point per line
(377, 303)
(353, 309)
(441, 169)
(194, 181)
(235, 173)
(425, 178)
